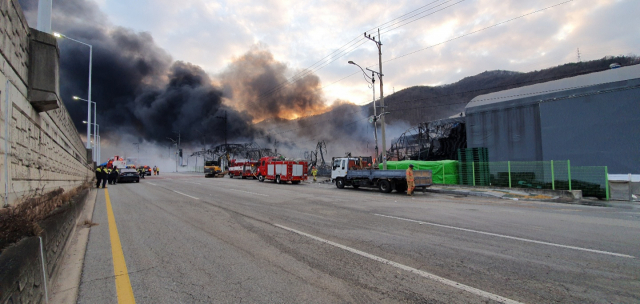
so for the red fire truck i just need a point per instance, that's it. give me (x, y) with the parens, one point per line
(281, 171)
(243, 168)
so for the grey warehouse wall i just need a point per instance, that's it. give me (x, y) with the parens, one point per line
(595, 130)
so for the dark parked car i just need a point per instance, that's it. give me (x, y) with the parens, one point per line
(147, 170)
(128, 175)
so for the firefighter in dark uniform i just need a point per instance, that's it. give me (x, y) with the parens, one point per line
(109, 170)
(115, 174)
(98, 176)
(104, 176)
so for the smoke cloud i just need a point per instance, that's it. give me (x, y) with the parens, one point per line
(250, 81)
(143, 95)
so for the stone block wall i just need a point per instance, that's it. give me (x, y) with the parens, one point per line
(21, 270)
(44, 150)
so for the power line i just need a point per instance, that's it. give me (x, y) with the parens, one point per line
(350, 47)
(391, 29)
(480, 30)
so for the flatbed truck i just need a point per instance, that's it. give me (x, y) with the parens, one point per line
(358, 172)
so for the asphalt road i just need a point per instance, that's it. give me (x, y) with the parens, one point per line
(190, 239)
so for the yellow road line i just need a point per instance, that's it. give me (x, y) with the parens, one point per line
(123, 285)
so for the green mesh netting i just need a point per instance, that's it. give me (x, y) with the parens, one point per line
(444, 171)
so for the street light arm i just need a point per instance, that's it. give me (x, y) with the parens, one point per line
(366, 77)
(56, 34)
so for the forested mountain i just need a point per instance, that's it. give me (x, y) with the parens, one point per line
(423, 103)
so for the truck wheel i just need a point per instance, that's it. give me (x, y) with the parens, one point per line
(340, 183)
(260, 178)
(384, 186)
(230, 175)
(278, 180)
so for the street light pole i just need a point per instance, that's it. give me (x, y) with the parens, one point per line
(95, 126)
(138, 157)
(384, 141)
(99, 147)
(96, 147)
(375, 116)
(58, 35)
(175, 143)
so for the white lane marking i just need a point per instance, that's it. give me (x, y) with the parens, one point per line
(248, 192)
(510, 237)
(151, 183)
(419, 272)
(193, 197)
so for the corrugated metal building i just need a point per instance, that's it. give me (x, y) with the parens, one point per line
(592, 120)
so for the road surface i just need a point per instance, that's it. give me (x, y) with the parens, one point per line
(183, 238)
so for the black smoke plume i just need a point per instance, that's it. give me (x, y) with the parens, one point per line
(143, 93)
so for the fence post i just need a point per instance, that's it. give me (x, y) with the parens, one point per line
(553, 178)
(569, 172)
(473, 172)
(509, 169)
(443, 182)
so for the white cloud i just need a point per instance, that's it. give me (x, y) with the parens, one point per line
(299, 33)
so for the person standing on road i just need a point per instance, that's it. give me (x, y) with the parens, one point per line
(104, 176)
(108, 171)
(115, 174)
(98, 176)
(157, 171)
(314, 172)
(410, 181)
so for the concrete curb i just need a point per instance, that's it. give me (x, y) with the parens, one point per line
(66, 281)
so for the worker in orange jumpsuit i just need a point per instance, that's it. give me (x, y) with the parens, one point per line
(411, 185)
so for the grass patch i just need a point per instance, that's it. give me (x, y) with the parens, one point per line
(21, 220)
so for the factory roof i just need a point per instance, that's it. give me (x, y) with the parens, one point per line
(556, 87)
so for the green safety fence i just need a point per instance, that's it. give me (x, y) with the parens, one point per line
(443, 172)
(555, 175)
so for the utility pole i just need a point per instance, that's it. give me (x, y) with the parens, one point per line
(275, 145)
(382, 129)
(225, 127)
(579, 58)
(175, 143)
(226, 148)
(138, 157)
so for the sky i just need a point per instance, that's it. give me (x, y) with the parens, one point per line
(163, 68)
(212, 34)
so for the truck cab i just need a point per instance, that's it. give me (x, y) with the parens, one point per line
(341, 165)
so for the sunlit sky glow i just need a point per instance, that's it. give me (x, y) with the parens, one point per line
(299, 33)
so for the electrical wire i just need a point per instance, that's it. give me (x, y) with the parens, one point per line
(350, 47)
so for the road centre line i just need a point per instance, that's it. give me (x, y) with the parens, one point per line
(193, 197)
(123, 284)
(248, 192)
(151, 183)
(421, 273)
(510, 237)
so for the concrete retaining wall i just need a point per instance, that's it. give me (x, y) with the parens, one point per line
(44, 150)
(21, 275)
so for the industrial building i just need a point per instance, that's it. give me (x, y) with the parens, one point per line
(591, 120)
